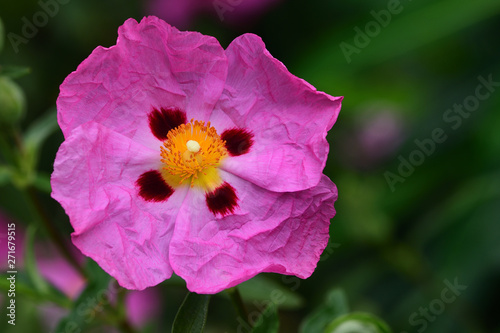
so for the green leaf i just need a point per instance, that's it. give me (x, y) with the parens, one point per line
(41, 129)
(334, 306)
(34, 137)
(404, 34)
(91, 303)
(5, 174)
(192, 314)
(262, 289)
(14, 72)
(358, 322)
(27, 290)
(42, 182)
(268, 321)
(31, 268)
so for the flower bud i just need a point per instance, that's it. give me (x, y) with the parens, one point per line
(357, 322)
(12, 101)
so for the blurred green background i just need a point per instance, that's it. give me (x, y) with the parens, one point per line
(410, 220)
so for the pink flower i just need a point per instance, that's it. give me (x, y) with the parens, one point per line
(376, 133)
(141, 306)
(180, 156)
(57, 270)
(50, 263)
(181, 13)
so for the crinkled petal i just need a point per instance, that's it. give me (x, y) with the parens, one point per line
(288, 117)
(152, 65)
(94, 180)
(269, 232)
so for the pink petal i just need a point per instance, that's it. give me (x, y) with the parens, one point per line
(270, 232)
(152, 65)
(288, 117)
(94, 180)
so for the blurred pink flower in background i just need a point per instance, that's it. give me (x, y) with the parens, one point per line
(182, 13)
(50, 263)
(374, 135)
(141, 306)
(381, 133)
(56, 269)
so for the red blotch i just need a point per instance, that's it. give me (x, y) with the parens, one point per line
(222, 200)
(152, 187)
(238, 141)
(164, 120)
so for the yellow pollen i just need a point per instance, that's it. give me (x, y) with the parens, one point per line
(191, 155)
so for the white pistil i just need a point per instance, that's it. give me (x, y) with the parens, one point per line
(193, 146)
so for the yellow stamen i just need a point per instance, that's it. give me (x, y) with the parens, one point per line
(191, 154)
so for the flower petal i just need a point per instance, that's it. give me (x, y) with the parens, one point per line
(223, 200)
(94, 179)
(270, 232)
(238, 141)
(152, 186)
(153, 65)
(164, 120)
(288, 117)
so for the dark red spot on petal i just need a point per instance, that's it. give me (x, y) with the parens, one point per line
(163, 120)
(152, 187)
(238, 141)
(222, 200)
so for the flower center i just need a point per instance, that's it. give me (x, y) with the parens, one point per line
(191, 155)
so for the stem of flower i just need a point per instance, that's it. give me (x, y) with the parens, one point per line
(241, 310)
(5, 149)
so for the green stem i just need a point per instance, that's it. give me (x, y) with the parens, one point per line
(28, 291)
(235, 296)
(114, 313)
(6, 146)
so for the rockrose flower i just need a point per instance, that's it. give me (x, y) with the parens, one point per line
(180, 156)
